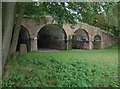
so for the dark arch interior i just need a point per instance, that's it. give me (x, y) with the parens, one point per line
(24, 38)
(97, 42)
(80, 39)
(52, 37)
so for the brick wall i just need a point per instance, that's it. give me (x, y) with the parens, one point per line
(34, 27)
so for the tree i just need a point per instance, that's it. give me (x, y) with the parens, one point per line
(105, 20)
(66, 12)
(16, 30)
(112, 16)
(8, 29)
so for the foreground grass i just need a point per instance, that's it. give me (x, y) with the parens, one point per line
(72, 68)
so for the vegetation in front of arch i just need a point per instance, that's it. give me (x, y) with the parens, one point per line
(72, 68)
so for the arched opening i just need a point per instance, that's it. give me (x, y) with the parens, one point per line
(80, 39)
(52, 36)
(97, 42)
(24, 38)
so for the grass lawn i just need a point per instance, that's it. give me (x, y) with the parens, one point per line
(71, 68)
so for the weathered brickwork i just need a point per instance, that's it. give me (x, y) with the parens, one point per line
(34, 27)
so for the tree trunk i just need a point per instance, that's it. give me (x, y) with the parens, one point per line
(0, 43)
(3, 14)
(16, 30)
(8, 29)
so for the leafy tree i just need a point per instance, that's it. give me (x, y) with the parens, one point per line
(112, 16)
(105, 20)
(66, 12)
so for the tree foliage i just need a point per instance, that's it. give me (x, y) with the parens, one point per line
(66, 12)
(111, 18)
(108, 20)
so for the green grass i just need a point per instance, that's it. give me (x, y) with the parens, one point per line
(71, 68)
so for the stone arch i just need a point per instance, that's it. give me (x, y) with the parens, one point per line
(97, 42)
(52, 36)
(80, 39)
(24, 38)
